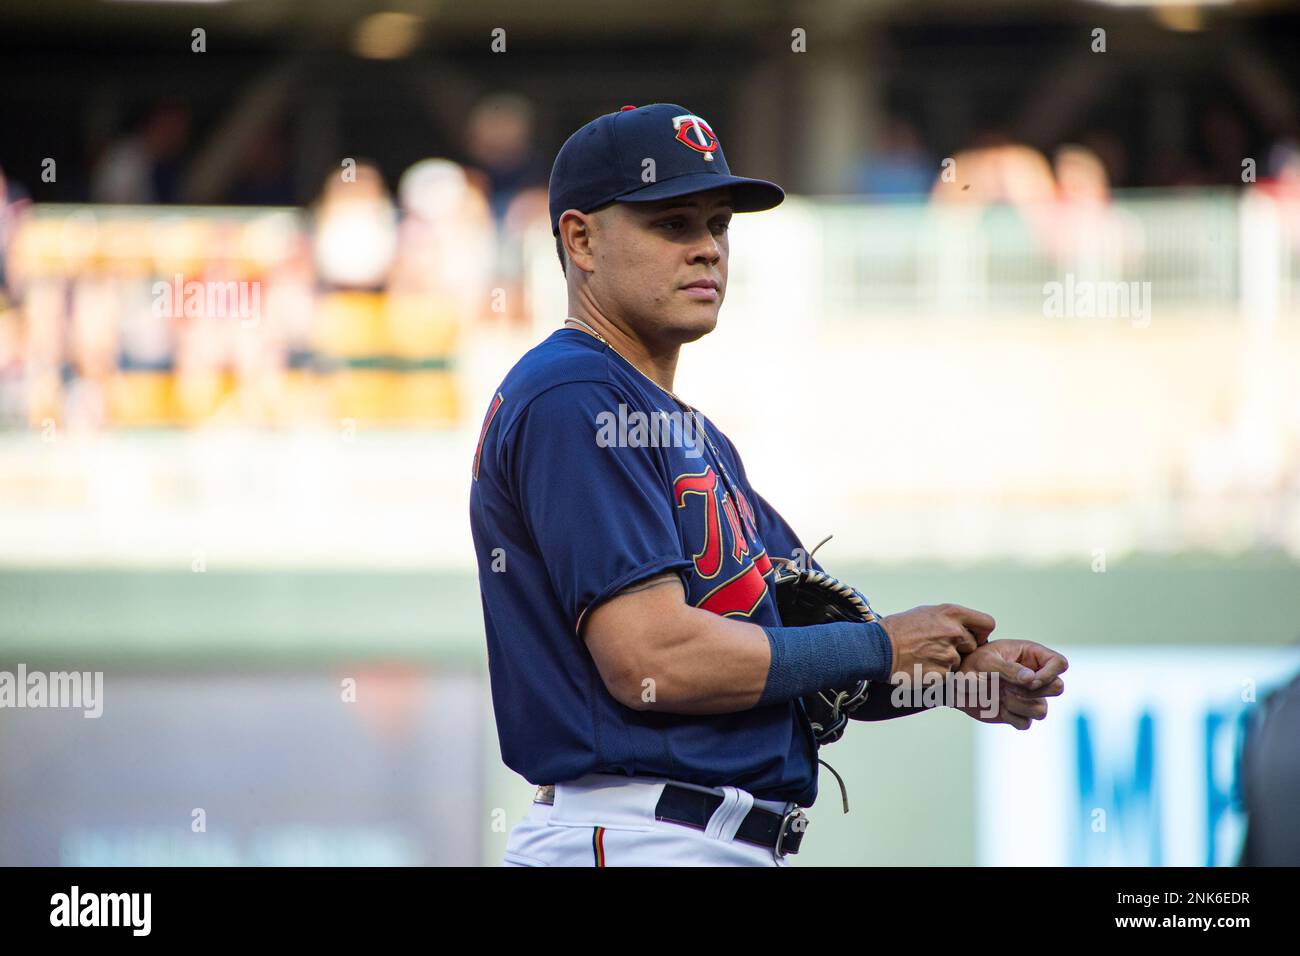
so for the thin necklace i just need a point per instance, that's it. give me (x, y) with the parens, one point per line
(689, 410)
(624, 358)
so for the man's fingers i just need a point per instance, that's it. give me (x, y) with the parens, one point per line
(1055, 689)
(980, 625)
(1022, 707)
(966, 643)
(1012, 671)
(1054, 665)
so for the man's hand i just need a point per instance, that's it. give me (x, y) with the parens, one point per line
(1028, 673)
(934, 637)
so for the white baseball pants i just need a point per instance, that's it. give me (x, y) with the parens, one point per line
(609, 820)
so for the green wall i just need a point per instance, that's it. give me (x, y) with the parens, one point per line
(899, 773)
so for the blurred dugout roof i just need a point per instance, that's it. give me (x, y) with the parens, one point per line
(395, 79)
(332, 23)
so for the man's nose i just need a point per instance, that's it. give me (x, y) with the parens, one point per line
(706, 250)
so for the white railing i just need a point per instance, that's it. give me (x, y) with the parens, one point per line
(853, 259)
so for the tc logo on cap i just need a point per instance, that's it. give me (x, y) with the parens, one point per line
(696, 133)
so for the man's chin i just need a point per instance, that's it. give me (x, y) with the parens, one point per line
(693, 327)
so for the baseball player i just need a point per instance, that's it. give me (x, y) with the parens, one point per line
(641, 676)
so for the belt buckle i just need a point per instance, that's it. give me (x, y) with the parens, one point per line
(794, 819)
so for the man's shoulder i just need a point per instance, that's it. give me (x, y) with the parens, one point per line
(566, 364)
(564, 356)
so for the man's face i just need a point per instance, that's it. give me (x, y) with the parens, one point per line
(649, 254)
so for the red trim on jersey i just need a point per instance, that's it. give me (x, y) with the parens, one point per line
(738, 597)
(487, 421)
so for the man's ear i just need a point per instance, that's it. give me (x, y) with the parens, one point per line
(576, 231)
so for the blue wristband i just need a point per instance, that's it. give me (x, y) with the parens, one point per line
(808, 659)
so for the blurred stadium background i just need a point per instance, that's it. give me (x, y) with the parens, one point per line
(257, 283)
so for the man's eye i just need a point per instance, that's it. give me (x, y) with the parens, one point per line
(677, 225)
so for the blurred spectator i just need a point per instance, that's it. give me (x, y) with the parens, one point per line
(13, 203)
(1088, 236)
(265, 178)
(1284, 164)
(445, 241)
(1281, 178)
(512, 173)
(1225, 143)
(500, 146)
(11, 369)
(1218, 152)
(355, 229)
(1008, 181)
(94, 331)
(995, 170)
(1270, 780)
(1281, 181)
(145, 166)
(995, 184)
(898, 167)
(1081, 178)
(11, 354)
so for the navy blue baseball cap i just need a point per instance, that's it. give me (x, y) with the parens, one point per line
(606, 161)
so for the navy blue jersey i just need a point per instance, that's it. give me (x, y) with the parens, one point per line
(588, 478)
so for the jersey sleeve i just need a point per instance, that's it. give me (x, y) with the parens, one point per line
(601, 517)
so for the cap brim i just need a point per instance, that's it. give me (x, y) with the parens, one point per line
(748, 195)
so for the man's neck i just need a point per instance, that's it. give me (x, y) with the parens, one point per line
(657, 364)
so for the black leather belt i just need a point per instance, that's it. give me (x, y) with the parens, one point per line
(780, 833)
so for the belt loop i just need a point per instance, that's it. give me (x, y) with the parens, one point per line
(726, 820)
